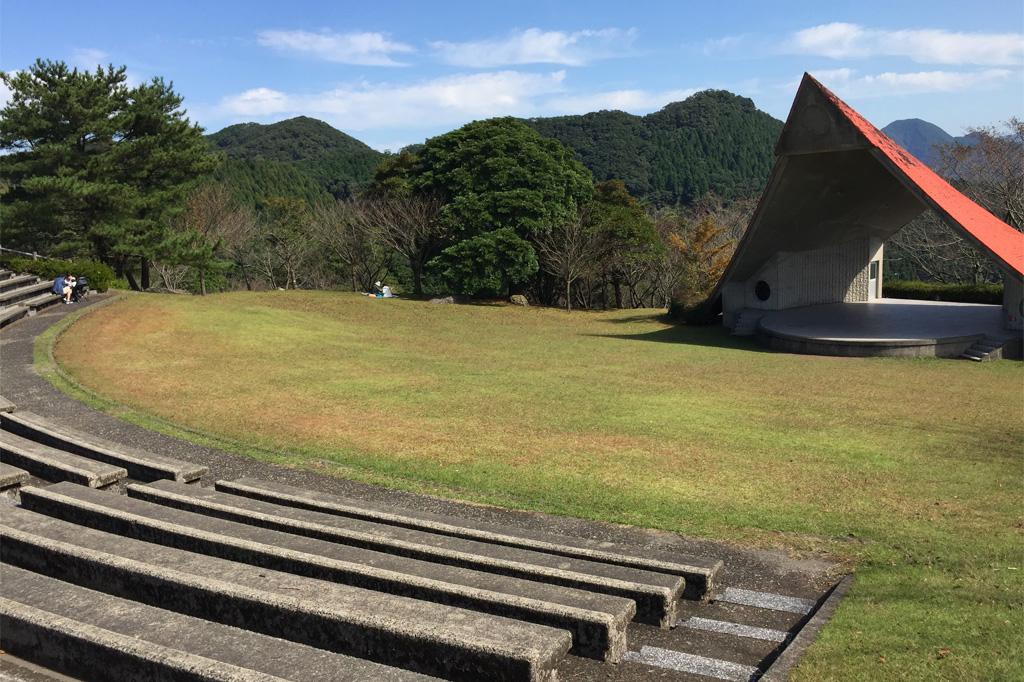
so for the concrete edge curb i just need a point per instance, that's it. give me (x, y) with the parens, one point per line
(782, 666)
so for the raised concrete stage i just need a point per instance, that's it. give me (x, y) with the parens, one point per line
(886, 327)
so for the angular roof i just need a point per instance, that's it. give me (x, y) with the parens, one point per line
(869, 185)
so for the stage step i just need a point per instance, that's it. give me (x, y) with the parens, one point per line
(11, 476)
(86, 633)
(747, 321)
(52, 464)
(141, 465)
(699, 572)
(25, 292)
(656, 594)
(984, 349)
(415, 635)
(597, 622)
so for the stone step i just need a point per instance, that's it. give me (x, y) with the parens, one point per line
(6, 274)
(8, 283)
(38, 302)
(656, 594)
(11, 476)
(968, 355)
(597, 622)
(83, 632)
(408, 633)
(52, 464)
(11, 314)
(24, 292)
(699, 572)
(141, 465)
(6, 405)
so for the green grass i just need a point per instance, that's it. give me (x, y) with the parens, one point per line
(908, 470)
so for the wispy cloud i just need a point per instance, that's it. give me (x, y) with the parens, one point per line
(633, 101)
(440, 101)
(850, 83)
(364, 49)
(89, 58)
(534, 46)
(926, 46)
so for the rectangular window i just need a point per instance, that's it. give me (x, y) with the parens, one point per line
(873, 270)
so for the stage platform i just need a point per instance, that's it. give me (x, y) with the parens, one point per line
(884, 327)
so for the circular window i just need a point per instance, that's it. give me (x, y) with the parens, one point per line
(762, 291)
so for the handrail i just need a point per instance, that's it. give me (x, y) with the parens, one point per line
(33, 255)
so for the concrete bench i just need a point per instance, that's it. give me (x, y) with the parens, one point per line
(6, 405)
(408, 633)
(597, 622)
(39, 302)
(52, 464)
(27, 291)
(91, 634)
(699, 572)
(11, 314)
(141, 465)
(656, 594)
(11, 476)
(8, 283)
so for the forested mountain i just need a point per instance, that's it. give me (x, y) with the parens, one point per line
(300, 157)
(922, 138)
(712, 141)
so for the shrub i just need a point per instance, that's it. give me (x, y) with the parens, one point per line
(935, 291)
(100, 276)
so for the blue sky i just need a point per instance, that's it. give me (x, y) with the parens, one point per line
(393, 73)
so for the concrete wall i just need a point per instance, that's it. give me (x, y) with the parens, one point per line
(1013, 301)
(833, 274)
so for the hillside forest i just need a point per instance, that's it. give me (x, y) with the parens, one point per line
(601, 210)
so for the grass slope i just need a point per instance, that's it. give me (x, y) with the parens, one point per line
(910, 469)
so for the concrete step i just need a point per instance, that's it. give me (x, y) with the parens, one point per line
(6, 274)
(83, 632)
(11, 476)
(6, 405)
(408, 633)
(141, 465)
(968, 355)
(25, 292)
(699, 572)
(39, 302)
(597, 622)
(8, 283)
(52, 464)
(11, 314)
(656, 594)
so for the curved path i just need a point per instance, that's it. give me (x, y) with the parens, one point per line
(745, 570)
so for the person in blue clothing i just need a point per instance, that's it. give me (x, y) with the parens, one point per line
(63, 286)
(58, 285)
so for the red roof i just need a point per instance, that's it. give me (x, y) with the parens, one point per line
(1004, 242)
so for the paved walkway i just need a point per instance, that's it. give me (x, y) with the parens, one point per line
(764, 571)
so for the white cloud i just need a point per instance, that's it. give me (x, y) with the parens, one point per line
(634, 101)
(366, 106)
(365, 49)
(534, 46)
(725, 44)
(849, 83)
(927, 46)
(5, 92)
(89, 58)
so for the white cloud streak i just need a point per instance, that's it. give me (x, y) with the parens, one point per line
(365, 106)
(633, 101)
(534, 46)
(850, 83)
(926, 46)
(363, 49)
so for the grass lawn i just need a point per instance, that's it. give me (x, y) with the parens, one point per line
(912, 470)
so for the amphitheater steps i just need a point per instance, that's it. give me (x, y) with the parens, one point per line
(37, 303)
(656, 594)
(597, 622)
(415, 635)
(83, 632)
(6, 405)
(11, 477)
(52, 464)
(11, 314)
(22, 293)
(698, 572)
(141, 465)
(9, 283)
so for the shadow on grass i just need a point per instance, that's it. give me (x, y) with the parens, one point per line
(715, 335)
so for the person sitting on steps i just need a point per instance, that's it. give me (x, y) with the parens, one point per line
(69, 287)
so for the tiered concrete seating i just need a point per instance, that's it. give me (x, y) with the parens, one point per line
(22, 295)
(598, 622)
(52, 464)
(11, 477)
(141, 465)
(423, 636)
